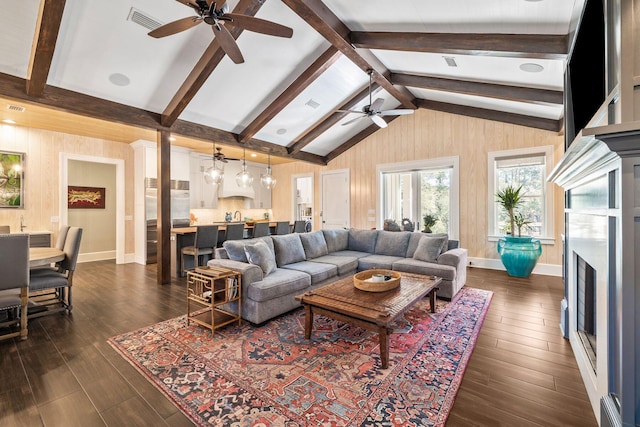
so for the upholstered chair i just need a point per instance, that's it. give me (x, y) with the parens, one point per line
(14, 283)
(205, 243)
(260, 229)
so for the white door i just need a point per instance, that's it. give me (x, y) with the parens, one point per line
(335, 209)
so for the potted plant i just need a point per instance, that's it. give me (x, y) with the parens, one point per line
(428, 221)
(518, 254)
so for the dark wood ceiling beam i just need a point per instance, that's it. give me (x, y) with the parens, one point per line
(44, 44)
(511, 45)
(478, 88)
(329, 121)
(326, 23)
(498, 116)
(319, 66)
(355, 140)
(84, 105)
(204, 67)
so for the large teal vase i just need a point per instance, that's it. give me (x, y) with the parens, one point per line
(519, 254)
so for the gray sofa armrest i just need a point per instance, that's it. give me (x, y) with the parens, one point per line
(250, 273)
(454, 257)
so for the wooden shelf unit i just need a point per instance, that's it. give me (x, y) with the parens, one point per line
(208, 290)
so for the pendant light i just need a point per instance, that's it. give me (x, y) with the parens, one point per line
(266, 179)
(244, 178)
(214, 175)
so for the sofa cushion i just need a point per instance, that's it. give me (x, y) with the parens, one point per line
(317, 270)
(259, 254)
(337, 240)
(350, 254)
(410, 265)
(345, 264)
(362, 240)
(377, 261)
(392, 243)
(288, 248)
(314, 244)
(279, 283)
(235, 248)
(430, 247)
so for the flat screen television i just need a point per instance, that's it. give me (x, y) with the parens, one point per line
(585, 79)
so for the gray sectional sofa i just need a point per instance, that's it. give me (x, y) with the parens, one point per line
(277, 268)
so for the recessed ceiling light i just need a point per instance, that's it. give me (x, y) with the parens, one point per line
(254, 155)
(530, 67)
(281, 131)
(172, 138)
(9, 122)
(119, 79)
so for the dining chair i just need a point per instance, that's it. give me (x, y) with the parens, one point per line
(283, 227)
(5, 229)
(52, 289)
(234, 232)
(14, 283)
(298, 226)
(206, 241)
(62, 236)
(260, 229)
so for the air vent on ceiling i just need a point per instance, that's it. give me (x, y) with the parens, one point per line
(143, 19)
(17, 108)
(450, 60)
(311, 103)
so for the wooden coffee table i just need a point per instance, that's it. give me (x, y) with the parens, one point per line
(375, 311)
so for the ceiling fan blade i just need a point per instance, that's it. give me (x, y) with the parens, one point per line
(377, 104)
(349, 111)
(395, 112)
(259, 25)
(378, 120)
(190, 3)
(352, 120)
(175, 27)
(228, 43)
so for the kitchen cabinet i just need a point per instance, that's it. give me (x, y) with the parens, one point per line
(203, 195)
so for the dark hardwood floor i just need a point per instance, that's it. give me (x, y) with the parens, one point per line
(522, 372)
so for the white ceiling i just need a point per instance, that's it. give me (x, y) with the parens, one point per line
(97, 43)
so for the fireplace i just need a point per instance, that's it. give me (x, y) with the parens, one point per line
(586, 308)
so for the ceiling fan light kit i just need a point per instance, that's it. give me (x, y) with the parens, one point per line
(218, 19)
(372, 111)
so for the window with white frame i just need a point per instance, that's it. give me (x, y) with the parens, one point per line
(529, 168)
(410, 190)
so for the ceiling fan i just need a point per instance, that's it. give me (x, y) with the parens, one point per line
(220, 156)
(218, 19)
(373, 111)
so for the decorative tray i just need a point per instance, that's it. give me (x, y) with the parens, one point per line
(365, 281)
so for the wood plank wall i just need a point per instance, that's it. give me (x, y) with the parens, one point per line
(426, 135)
(42, 175)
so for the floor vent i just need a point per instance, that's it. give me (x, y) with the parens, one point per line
(17, 108)
(143, 19)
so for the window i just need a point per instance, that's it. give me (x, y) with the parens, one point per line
(413, 189)
(528, 168)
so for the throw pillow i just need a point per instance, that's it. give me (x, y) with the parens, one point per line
(429, 248)
(288, 249)
(260, 255)
(314, 244)
(235, 250)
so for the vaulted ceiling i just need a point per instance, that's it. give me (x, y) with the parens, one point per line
(496, 59)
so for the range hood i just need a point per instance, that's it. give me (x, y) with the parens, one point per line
(229, 187)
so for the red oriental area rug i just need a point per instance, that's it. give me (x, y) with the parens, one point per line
(271, 376)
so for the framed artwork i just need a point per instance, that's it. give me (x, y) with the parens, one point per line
(85, 197)
(11, 179)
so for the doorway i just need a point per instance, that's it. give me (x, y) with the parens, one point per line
(336, 205)
(303, 198)
(65, 163)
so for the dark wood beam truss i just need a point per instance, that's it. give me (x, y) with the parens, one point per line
(319, 66)
(44, 44)
(492, 90)
(510, 45)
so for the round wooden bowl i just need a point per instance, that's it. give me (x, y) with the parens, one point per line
(363, 281)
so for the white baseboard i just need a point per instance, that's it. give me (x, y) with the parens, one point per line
(96, 256)
(496, 264)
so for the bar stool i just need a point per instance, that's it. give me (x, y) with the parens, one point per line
(234, 232)
(260, 229)
(283, 227)
(298, 226)
(205, 243)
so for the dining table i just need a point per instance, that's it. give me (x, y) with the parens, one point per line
(39, 257)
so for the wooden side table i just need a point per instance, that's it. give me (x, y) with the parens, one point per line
(211, 288)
